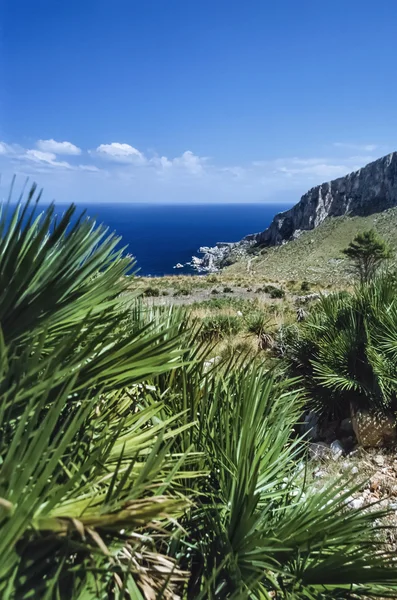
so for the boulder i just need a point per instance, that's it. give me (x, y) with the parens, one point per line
(310, 427)
(336, 449)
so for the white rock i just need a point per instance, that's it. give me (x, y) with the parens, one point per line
(336, 449)
(319, 473)
(357, 503)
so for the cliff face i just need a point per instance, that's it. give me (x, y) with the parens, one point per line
(369, 190)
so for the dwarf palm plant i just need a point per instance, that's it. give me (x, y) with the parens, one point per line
(346, 349)
(87, 472)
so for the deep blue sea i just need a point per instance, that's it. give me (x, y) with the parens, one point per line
(160, 236)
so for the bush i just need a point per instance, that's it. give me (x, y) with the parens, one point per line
(220, 326)
(151, 291)
(227, 290)
(277, 293)
(257, 323)
(274, 292)
(183, 292)
(215, 291)
(305, 286)
(211, 278)
(346, 349)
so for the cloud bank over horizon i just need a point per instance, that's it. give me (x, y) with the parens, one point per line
(120, 172)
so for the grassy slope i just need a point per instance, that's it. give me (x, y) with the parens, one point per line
(316, 256)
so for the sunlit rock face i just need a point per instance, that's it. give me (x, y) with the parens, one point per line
(369, 190)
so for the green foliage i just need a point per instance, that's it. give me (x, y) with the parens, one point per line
(367, 252)
(129, 469)
(258, 529)
(242, 304)
(220, 326)
(233, 350)
(257, 323)
(305, 286)
(151, 291)
(214, 291)
(273, 291)
(227, 290)
(346, 349)
(75, 460)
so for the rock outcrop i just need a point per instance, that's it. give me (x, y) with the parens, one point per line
(366, 191)
(219, 256)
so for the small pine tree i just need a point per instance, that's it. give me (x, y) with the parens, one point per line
(367, 252)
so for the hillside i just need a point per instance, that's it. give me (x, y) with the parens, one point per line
(316, 255)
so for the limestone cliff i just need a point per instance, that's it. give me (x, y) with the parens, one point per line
(369, 190)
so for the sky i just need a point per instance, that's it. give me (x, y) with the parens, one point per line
(194, 100)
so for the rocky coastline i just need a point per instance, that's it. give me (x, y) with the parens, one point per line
(221, 255)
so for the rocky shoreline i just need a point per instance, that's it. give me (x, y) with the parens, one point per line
(221, 255)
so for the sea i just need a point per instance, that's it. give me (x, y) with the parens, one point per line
(161, 235)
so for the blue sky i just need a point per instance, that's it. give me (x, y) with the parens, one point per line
(194, 100)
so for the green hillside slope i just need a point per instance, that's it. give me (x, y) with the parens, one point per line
(316, 255)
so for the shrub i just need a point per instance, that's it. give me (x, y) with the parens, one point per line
(257, 323)
(346, 349)
(305, 286)
(274, 292)
(227, 290)
(220, 326)
(151, 291)
(183, 291)
(214, 291)
(367, 252)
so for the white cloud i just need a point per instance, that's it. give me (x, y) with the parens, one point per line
(358, 147)
(3, 148)
(8, 149)
(58, 147)
(188, 162)
(131, 175)
(321, 170)
(90, 168)
(312, 169)
(49, 158)
(120, 153)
